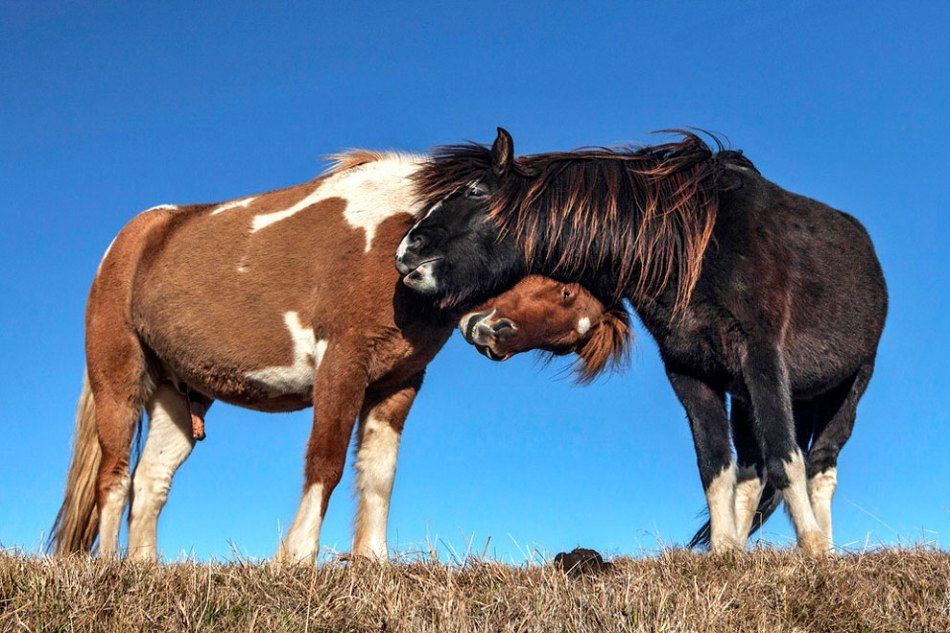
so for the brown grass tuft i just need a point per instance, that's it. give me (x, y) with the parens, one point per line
(888, 590)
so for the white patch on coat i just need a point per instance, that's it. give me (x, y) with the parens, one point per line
(810, 537)
(162, 207)
(821, 488)
(167, 446)
(296, 378)
(373, 192)
(375, 472)
(583, 326)
(233, 205)
(303, 539)
(720, 496)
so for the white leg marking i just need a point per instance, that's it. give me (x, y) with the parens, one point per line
(583, 326)
(748, 493)
(303, 540)
(233, 205)
(821, 488)
(372, 192)
(168, 444)
(720, 496)
(296, 378)
(810, 538)
(110, 520)
(375, 471)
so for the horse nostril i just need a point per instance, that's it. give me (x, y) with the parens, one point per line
(469, 322)
(416, 242)
(503, 328)
(482, 334)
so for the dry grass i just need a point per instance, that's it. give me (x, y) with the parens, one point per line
(888, 590)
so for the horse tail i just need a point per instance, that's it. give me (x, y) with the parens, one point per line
(768, 503)
(77, 524)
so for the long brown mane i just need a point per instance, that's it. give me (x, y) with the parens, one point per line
(645, 214)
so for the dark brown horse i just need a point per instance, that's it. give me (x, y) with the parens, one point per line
(275, 302)
(749, 290)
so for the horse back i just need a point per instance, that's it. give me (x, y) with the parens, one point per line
(781, 268)
(801, 273)
(240, 299)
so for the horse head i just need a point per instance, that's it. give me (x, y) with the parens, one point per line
(540, 313)
(455, 253)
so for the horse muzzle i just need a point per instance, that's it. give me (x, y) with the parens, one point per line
(487, 336)
(420, 278)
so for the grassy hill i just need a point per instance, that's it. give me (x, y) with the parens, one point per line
(887, 590)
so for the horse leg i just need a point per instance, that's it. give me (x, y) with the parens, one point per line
(835, 413)
(381, 424)
(119, 383)
(706, 410)
(750, 474)
(168, 444)
(338, 393)
(766, 379)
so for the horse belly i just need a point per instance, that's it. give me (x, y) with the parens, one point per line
(255, 364)
(236, 324)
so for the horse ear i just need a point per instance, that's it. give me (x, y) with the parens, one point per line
(502, 153)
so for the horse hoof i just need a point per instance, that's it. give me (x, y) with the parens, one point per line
(726, 546)
(815, 545)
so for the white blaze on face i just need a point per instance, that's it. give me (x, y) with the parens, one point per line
(296, 378)
(234, 204)
(583, 326)
(404, 244)
(373, 192)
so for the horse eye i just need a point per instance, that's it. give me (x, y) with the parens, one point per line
(476, 191)
(566, 294)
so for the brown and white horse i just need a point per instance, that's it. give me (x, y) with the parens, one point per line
(274, 302)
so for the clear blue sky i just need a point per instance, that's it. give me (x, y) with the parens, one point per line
(108, 109)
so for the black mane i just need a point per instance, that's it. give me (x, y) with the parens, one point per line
(644, 212)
